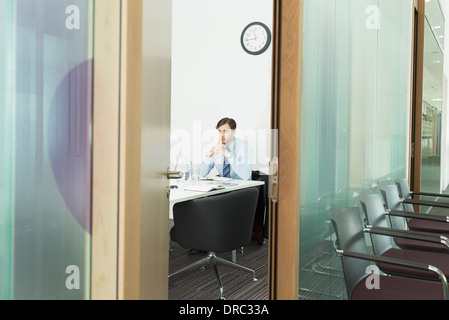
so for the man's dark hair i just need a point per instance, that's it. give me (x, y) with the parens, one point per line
(231, 122)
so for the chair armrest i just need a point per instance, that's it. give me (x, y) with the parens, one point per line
(417, 215)
(430, 194)
(426, 203)
(403, 263)
(409, 234)
(393, 261)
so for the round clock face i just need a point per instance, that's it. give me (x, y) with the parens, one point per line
(256, 38)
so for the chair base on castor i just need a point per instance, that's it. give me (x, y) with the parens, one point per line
(213, 260)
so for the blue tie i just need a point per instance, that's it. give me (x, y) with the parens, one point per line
(226, 168)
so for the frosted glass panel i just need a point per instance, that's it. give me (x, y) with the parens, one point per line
(7, 86)
(355, 111)
(45, 148)
(432, 98)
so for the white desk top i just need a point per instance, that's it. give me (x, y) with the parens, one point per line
(179, 194)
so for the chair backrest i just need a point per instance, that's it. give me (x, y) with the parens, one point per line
(263, 193)
(374, 210)
(392, 201)
(262, 203)
(257, 175)
(404, 192)
(216, 223)
(350, 237)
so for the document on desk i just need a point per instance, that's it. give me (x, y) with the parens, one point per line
(225, 179)
(204, 187)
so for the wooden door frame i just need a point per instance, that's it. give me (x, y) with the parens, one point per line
(105, 156)
(415, 142)
(286, 118)
(124, 264)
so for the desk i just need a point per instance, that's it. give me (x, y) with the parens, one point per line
(180, 194)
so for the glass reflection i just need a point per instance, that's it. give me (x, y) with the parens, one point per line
(356, 98)
(45, 148)
(432, 97)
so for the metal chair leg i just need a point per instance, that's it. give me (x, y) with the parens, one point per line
(214, 261)
(217, 275)
(236, 266)
(194, 265)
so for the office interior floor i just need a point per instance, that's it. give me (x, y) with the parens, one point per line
(430, 174)
(321, 274)
(202, 284)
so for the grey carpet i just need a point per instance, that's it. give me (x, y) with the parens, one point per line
(321, 275)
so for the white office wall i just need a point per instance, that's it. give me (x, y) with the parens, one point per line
(212, 77)
(445, 117)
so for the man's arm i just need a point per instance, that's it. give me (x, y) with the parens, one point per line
(207, 165)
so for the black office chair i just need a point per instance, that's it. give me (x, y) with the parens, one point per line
(381, 236)
(260, 230)
(417, 221)
(218, 223)
(352, 248)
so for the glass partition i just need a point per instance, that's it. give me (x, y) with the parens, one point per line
(45, 148)
(355, 119)
(432, 97)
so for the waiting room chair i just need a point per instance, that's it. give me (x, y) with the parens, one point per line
(409, 201)
(356, 261)
(381, 236)
(401, 219)
(377, 216)
(218, 223)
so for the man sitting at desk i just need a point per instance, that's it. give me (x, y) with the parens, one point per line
(232, 157)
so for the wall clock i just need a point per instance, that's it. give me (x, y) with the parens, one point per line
(255, 38)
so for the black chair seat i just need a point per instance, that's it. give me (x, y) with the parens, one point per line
(429, 226)
(439, 260)
(413, 244)
(395, 288)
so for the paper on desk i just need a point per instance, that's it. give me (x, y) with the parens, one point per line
(224, 179)
(203, 187)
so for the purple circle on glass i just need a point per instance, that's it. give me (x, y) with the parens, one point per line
(68, 134)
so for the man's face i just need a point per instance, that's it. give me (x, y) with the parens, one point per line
(226, 134)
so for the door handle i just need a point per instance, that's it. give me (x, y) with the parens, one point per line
(173, 174)
(273, 185)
